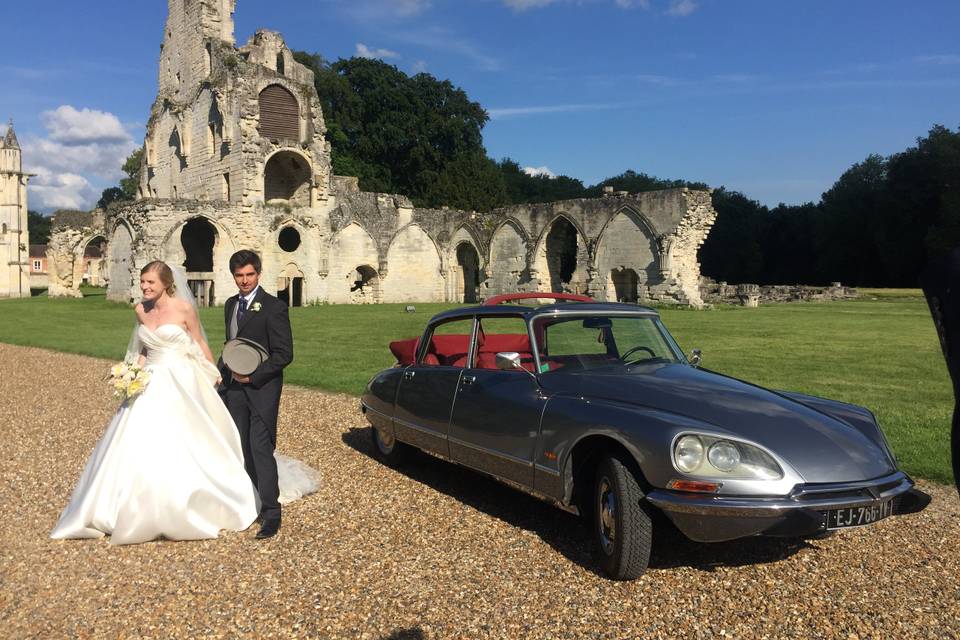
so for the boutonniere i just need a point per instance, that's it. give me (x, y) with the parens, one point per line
(255, 306)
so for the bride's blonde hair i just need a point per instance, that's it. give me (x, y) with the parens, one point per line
(166, 275)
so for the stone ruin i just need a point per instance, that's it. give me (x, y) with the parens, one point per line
(235, 157)
(752, 295)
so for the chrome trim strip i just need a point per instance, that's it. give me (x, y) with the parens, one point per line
(712, 505)
(548, 470)
(496, 454)
(372, 410)
(416, 427)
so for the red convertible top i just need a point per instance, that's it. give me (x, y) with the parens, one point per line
(510, 297)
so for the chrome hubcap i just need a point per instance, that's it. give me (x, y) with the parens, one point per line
(607, 510)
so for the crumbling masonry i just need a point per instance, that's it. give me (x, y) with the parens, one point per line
(235, 157)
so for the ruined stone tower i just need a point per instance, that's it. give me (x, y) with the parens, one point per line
(235, 157)
(14, 237)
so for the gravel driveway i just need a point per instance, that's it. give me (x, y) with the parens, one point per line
(432, 552)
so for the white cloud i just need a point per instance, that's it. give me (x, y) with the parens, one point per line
(49, 191)
(82, 147)
(409, 7)
(508, 112)
(940, 59)
(523, 5)
(420, 66)
(682, 8)
(447, 41)
(363, 51)
(70, 126)
(539, 171)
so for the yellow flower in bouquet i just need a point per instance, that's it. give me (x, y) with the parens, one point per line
(128, 379)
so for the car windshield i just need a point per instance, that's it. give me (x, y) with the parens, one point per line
(571, 343)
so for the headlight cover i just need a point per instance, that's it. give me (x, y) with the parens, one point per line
(707, 456)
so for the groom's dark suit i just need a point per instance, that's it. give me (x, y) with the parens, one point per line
(255, 406)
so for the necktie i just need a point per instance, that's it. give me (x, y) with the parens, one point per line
(241, 308)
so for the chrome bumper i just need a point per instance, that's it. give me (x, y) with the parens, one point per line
(715, 518)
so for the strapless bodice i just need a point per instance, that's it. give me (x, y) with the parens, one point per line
(165, 341)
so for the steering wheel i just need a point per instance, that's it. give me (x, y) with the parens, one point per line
(632, 351)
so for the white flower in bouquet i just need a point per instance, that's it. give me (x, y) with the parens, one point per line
(128, 379)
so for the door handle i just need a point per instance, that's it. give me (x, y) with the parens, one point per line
(408, 375)
(469, 379)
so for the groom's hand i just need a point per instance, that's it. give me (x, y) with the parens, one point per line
(241, 379)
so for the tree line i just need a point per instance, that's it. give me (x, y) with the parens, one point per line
(422, 137)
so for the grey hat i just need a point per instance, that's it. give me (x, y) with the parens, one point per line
(243, 355)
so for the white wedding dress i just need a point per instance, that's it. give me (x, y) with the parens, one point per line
(170, 463)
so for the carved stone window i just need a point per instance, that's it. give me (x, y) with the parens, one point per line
(279, 114)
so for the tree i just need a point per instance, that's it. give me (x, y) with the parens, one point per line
(39, 227)
(403, 134)
(733, 252)
(128, 186)
(525, 188)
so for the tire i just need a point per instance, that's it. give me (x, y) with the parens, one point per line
(620, 521)
(388, 449)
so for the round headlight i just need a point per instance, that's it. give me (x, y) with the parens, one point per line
(688, 454)
(725, 456)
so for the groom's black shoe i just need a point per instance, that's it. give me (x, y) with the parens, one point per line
(269, 529)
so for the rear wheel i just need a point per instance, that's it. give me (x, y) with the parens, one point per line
(388, 449)
(622, 526)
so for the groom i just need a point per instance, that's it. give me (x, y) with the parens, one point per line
(254, 400)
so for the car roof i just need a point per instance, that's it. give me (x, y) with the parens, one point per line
(525, 311)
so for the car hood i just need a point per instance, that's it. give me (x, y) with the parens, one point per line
(821, 447)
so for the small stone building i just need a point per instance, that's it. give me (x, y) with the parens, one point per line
(14, 236)
(235, 157)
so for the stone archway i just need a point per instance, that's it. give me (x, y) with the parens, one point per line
(469, 261)
(290, 286)
(366, 285)
(198, 239)
(286, 176)
(562, 258)
(624, 283)
(95, 269)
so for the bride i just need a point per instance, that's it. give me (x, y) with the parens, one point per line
(170, 463)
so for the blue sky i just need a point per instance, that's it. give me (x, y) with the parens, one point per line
(775, 99)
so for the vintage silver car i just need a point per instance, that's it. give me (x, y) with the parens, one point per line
(594, 407)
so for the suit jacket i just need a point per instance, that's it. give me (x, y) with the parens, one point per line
(269, 327)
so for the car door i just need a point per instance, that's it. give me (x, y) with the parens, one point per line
(496, 414)
(428, 387)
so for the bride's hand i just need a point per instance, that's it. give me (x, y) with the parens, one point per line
(218, 382)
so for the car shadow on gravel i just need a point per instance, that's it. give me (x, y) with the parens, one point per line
(565, 532)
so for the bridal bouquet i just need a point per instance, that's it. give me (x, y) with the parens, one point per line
(128, 379)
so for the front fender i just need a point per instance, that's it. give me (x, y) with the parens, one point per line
(644, 432)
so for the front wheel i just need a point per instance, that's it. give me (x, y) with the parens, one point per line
(622, 527)
(388, 449)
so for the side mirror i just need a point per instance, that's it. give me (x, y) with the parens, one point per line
(695, 357)
(510, 361)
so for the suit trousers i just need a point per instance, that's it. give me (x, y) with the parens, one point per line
(258, 442)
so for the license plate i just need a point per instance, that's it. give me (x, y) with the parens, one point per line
(859, 516)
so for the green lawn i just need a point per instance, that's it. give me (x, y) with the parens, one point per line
(880, 352)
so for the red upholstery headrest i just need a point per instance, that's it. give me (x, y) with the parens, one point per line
(405, 350)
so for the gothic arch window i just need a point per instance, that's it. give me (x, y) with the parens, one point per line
(280, 64)
(287, 177)
(279, 114)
